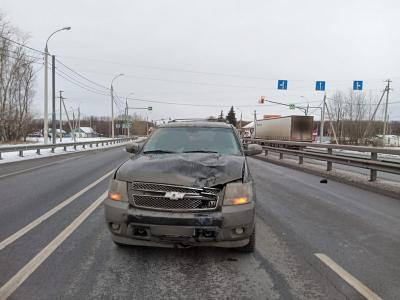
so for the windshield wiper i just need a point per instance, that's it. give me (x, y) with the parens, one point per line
(158, 151)
(200, 151)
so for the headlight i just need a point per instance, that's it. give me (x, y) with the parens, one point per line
(118, 190)
(115, 196)
(238, 193)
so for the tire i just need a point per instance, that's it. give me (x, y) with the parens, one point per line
(251, 246)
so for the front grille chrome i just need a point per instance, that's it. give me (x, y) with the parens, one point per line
(172, 197)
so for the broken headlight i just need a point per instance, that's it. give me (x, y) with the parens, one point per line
(118, 190)
(238, 193)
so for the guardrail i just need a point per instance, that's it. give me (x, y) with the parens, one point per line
(38, 148)
(302, 149)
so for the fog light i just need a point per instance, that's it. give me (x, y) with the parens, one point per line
(115, 226)
(239, 230)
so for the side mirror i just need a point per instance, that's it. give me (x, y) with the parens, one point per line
(132, 148)
(253, 149)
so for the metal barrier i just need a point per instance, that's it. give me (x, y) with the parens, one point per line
(38, 148)
(302, 149)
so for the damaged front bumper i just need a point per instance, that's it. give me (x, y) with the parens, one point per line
(229, 227)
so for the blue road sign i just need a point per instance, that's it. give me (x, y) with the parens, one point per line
(320, 85)
(282, 84)
(357, 85)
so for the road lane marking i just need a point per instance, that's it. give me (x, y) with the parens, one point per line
(7, 289)
(38, 167)
(48, 214)
(346, 276)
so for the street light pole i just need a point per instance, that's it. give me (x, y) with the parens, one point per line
(126, 114)
(53, 94)
(46, 96)
(112, 105)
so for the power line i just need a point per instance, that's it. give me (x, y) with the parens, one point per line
(204, 72)
(19, 58)
(79, 82)
(81, 86)
(22, 45)
(23, 53)
(80, 75)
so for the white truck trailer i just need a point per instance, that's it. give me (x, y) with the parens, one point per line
(290, 128)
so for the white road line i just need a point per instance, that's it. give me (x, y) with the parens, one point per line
(48, 214)
(7, 289)
(346, 276)
(38, 167)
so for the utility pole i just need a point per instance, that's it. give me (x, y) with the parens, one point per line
(147, 125)
(61, 126)
(74, 122)
(330, 122)
(126, 117)
(375, 111)
(53, 83)
(321, 127)
(46, 98)
(79, 120)
(385, 122)
(255, 124)
(69, 122)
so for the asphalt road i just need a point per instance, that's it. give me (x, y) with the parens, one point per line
(297, 216)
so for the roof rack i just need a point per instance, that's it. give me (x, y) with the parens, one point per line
(192, 120)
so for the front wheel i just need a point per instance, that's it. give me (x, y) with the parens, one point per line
(251, 246)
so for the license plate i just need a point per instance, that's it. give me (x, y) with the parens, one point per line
(172, 231)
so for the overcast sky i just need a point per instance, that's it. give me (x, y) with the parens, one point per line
(215, 53)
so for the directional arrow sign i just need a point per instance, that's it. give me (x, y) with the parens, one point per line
(357, 85)
(282, 84)
(320, 85)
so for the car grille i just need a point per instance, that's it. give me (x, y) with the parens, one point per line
(172, 197)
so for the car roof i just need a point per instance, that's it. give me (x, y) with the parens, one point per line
(196, 124)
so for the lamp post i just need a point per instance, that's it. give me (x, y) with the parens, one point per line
(46, 119)
(112, 104)
(126, 114)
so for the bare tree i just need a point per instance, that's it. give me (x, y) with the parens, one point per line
(16, 83)
(351, 114)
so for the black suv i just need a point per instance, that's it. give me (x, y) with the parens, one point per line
(188, 185)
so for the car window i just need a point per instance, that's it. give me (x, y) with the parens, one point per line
(193, 139)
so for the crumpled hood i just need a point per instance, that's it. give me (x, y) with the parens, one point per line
(188, 169)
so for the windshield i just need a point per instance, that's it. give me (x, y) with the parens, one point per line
(193, 139)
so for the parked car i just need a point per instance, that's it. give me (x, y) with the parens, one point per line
(35, 134)
(188, 185)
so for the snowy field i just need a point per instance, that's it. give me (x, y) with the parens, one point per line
(31, 154)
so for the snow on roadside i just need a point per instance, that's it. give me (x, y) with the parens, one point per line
(40, 140)
(31, 154)
(361, 154)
